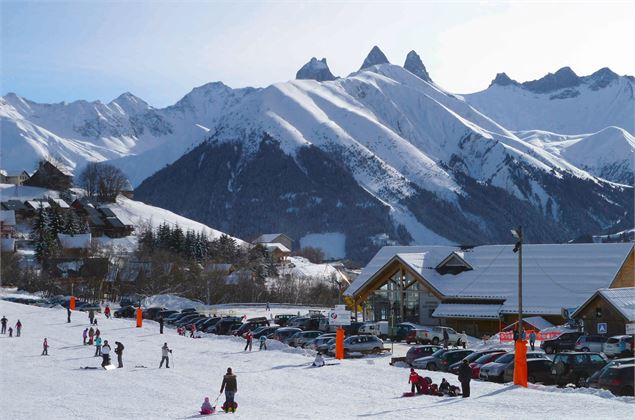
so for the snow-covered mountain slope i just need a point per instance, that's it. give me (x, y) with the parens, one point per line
(607, 154)
(562, 103)
(425, 160)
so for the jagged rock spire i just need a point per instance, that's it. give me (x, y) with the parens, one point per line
(315, 70)
(415, 66)
(375, 56)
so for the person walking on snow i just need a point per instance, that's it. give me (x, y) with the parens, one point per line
(119, 353)
(161, 325)
(18, 328)
(206, 408)
(68, 315)
(465, 375)
(91, 317)
(267, 307)
(413, 379)
(532, 339)
(97, 346)
(45, 350)
(85, 335)
(91, 335)
(263, 342)
(3, 321)
(105, 354)
(446, 338)
(107, 312)
(165, 352)
(249, 337)
(230, 387)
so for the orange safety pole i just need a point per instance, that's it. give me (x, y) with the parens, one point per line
(520, 363)
(139, 318)
(339, 343)
(71, 304)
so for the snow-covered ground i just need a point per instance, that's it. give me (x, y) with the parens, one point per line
(272, 384)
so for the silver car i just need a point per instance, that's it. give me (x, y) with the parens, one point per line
(320, 341)
(592, 343)
(495, 371)
(360, 344)
(299, 339)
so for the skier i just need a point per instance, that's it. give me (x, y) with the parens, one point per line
(107, 312)
(91, 317)
(532, 339)
(249, 337)
(3, 321)
(206, 408)
(319, 360)
(414, 379)
(68, 315)
(18, 328)
(161, 325)
(165, 351)
(119, 353)
(91, 335)
(263, 342)
(446, 338)
(85, 335)
(97, 346)
(230, 387)
(465, 375)
(45, 350)
(105, 354)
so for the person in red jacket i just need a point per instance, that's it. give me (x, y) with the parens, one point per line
(107, 311)
(413, 380)
(45, 345)
(249, 337)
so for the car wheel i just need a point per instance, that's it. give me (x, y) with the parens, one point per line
(432, 366)
(531, 379)
(549, 349)
(435, 340)
(585, 349)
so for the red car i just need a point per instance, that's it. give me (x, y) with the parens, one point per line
(486, 358)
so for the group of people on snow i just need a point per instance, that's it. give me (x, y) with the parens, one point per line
(18, 327)
(424, 386)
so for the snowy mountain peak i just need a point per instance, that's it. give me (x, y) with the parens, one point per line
(502, 79)
(415, 66)
(315, 70)
(563, 78)
(130, 103)
(374, 57)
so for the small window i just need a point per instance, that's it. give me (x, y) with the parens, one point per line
(598, 312)
(597, 359)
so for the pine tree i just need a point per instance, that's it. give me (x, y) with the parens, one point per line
(56, 223)
(177, 240)
(41, 235)
(72, 224)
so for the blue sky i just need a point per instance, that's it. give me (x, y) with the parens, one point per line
(53, 51)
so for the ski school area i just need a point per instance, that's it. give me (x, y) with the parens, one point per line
(278, 383)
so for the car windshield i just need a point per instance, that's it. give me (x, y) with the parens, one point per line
(438, 353)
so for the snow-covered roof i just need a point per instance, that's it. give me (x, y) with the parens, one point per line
(467, 310)
(79, 241)
(622, 298)
(276, 246)
(7, 217)
(269, 238)
(61, 203)
(537, 322)
(554, 275)
(36, 204)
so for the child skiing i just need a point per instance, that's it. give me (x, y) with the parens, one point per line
(18, 328)
(207, 408)
(105, 354)
(230, 387)
(192, 330)
(263, 342)
(97, 346)
(45, 345)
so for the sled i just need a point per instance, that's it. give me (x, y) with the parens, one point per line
(110, 367)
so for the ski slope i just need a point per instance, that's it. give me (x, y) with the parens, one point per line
(275, 384)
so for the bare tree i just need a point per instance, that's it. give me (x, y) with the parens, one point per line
(89, 179)
(103, 181)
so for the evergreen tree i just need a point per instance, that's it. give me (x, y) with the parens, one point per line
(177, 240)
(44, 242)
(72, 225)
(56, 222)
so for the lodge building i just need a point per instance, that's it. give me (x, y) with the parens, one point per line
(475, 289)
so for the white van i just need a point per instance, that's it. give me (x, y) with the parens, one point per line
(379, 328)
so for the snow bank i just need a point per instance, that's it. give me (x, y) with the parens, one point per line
(171, 302)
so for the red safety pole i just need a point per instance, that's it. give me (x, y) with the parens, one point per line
(339, 343)
(71, 304)
(139, 318)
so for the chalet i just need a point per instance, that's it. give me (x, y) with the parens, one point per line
(7, 230)
(17, 206)
(475, 289)
(18, 179)
(50, 176)
(74, 245)
(88, 210)
(278, 251)
(115, 225)
(613, 307)
(59, 203)
(272, 238)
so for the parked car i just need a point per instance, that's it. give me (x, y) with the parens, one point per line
(495, 371)
(166, 313)
(380, 328)
(417, 352)
(592, 381)
(451, 357)
(618, 379)
(402, 329)
(186, 310)
(207, 325)
(353, 328)
(431, 362)
(282, 334)
(265, 330)
(454, 368)
(538, 370)
(233, 328)
(151, 313)
(477, 364)
(360, 344)
(565, 341)
(619, 345)
(326, 345)
(125, 312)
(223, 327)
(415, 335)
(186, 321)
(172, 319)
(251, 325)
(576, 367)
(593, 343)
(319, 341)
(434, 335)
(299, 339)
(282, 319)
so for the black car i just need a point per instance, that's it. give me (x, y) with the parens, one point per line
(415, 352)
(592, 381)
(125, 312)
(282, 334)
(166, 313)
(187, 319)
(186, 310)
(576, 367)
(174, 318)
(151, 313)
(352, 329)
(282, 319)
(538, 370)
(251, 325)
(208, 323)
(266, 331)
(223, 326)
(454, 368)
(402, 331)
(618, 380)
(565, 341)
(449, 358)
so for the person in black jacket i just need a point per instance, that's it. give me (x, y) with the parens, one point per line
(230, 387)
(161, 325)
(465, 375)
(119, 353)
(446, 338)
(68, 315)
